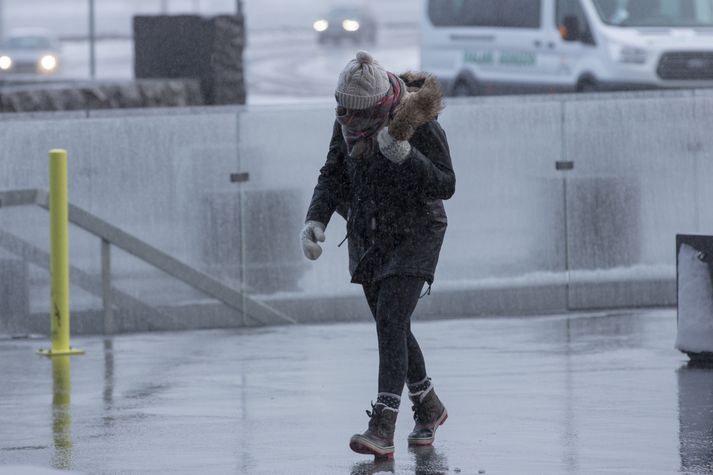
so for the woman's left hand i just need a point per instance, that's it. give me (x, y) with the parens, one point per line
(395, 150)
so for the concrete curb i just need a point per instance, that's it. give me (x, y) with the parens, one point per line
(441, 304)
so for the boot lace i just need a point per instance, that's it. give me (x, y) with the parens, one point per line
(420, 413)
(376, 423)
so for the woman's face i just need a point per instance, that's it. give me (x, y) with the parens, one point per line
(357, 119)
(361, 119)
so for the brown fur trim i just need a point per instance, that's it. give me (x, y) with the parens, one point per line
(420, 105)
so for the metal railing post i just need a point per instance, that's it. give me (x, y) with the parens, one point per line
(565, 166)
(92, 40)
(106, 287)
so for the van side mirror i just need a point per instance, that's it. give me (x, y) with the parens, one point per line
(570, 30)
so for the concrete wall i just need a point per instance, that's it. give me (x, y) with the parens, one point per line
(523, 237)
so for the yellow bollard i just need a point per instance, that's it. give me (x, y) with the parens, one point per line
(59, 255)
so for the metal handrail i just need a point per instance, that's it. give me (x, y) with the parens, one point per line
(112, 235)
(80, 278)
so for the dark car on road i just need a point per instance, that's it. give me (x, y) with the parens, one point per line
(346, 23)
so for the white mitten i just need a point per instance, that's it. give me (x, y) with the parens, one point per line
(312, 233)
(395, 150)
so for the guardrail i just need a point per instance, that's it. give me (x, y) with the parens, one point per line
(111, 235)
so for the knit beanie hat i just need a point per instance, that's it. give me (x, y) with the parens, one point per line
(362, 83)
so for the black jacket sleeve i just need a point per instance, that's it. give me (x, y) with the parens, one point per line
(332, 186)
(430, 163)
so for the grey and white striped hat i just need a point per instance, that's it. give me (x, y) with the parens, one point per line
(362, 83)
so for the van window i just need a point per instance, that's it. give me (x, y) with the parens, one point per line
(486, 13)
(657, 13)
(573, 8)
(520, 13)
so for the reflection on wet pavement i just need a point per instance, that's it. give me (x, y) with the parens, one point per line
(695, 411)
(429, 461)
(425, 461)
(370, 467)
(556, 394)
(61, 412)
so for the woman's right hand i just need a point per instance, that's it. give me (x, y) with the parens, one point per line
(311, 234)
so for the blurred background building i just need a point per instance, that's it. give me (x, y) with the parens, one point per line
(283, 56)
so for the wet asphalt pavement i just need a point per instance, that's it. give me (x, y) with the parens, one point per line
(558, 395)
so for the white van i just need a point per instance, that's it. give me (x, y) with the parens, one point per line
(511, 46)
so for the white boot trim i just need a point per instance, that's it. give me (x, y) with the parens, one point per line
(386, 408)
(421, 394)
(418, 383)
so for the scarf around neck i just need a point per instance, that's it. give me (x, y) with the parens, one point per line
(359, 127)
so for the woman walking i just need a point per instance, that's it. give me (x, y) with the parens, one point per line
(387, 171)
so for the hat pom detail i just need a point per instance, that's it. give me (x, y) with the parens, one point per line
(363, 57)
(362, 83)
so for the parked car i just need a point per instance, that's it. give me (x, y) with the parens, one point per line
(29, 51)
(347, 23)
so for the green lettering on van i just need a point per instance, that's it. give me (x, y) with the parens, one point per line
(518, 58)
(479, 57)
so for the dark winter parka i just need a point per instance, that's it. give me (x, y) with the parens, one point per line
(395, 215)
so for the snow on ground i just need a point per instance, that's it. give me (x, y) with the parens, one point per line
(293, 65)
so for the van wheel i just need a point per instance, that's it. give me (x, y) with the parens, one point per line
(462, 89)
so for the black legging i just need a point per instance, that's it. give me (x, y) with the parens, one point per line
(392, 301)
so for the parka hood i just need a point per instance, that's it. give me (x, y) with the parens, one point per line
(421, 103)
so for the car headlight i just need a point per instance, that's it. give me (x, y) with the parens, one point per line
(5, 63)
(320, 25)
(629, 54)
(48, 63)
(350, 25)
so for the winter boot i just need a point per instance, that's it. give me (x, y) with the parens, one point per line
(378, 439)
(429, 413)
